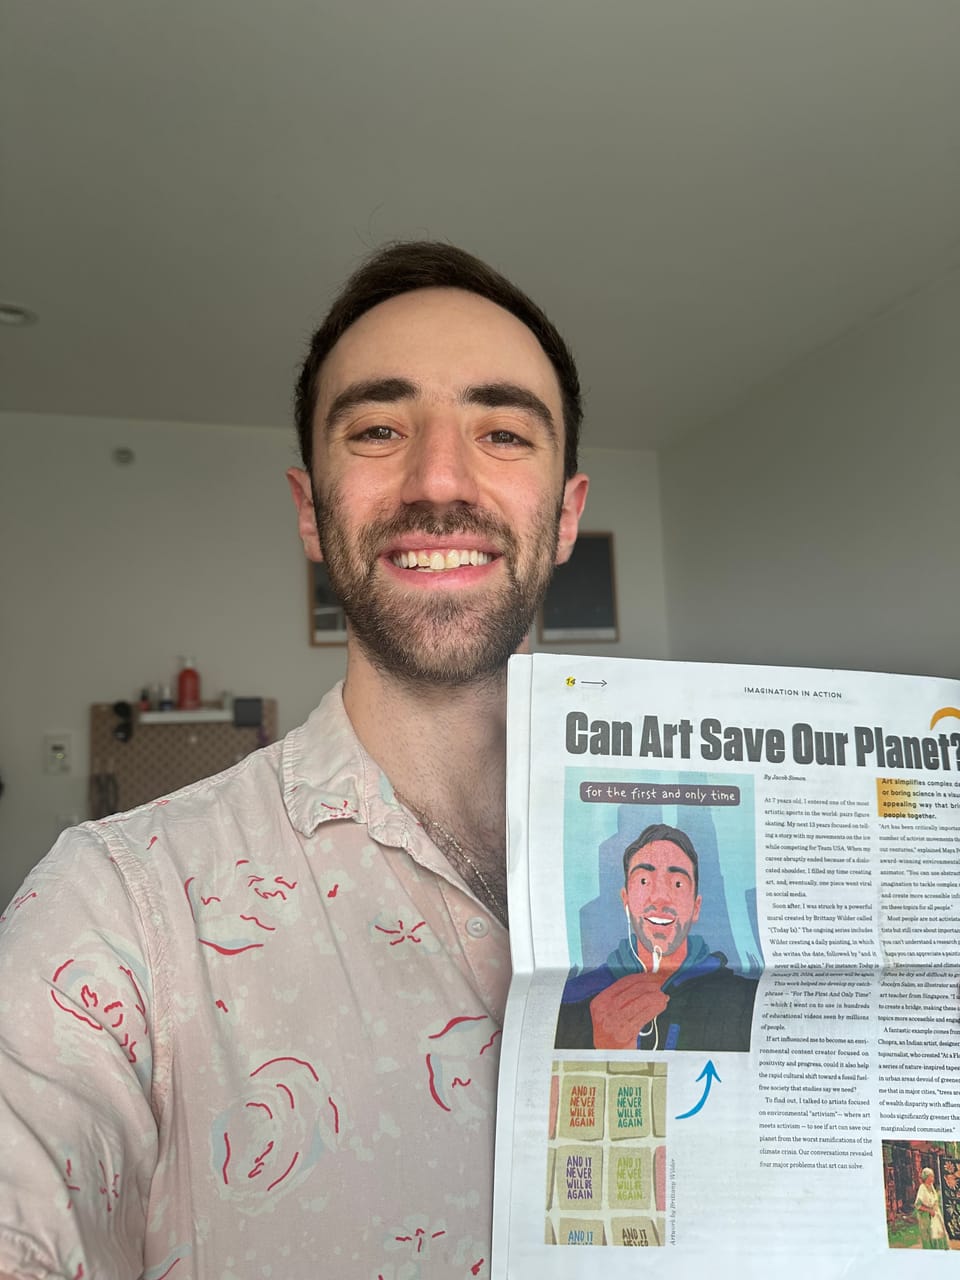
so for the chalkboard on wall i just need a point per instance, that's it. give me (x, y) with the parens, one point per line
(581, 601)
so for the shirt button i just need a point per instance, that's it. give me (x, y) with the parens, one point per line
(477, 927)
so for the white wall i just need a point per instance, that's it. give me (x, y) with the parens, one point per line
(819, 524)
(108, 573)
(624, 499)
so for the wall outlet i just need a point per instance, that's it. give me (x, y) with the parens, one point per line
(58, 751)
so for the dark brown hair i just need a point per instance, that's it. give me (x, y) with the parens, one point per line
(660, 831)
(420, 264)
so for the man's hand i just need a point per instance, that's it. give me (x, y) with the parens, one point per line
(619, 1012)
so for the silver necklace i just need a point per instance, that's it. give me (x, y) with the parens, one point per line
(450, 844)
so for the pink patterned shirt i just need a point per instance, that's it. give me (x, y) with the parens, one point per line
(251, 1030)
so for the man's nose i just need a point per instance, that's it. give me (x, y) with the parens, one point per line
(441, 466)
(661, 891)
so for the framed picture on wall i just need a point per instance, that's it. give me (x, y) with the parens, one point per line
(581, 601)
(328, 623)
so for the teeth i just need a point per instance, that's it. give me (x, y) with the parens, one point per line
(437, 561)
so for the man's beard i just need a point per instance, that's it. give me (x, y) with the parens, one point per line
(451, 637)
(679, 937)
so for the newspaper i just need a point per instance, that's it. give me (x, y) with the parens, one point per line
(733, 1030)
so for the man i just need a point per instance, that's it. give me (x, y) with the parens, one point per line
(253, 1028)
(662, 988)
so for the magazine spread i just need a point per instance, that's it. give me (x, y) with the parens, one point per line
(733, 1030)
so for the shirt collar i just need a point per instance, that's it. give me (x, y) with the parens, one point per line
(327, 775)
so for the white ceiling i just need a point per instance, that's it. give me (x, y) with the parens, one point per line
(699, 192)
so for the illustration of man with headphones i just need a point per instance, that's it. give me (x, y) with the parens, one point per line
(662, 988)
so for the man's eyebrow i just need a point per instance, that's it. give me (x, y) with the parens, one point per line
(370, 391)
(640, 866)
(508, 395)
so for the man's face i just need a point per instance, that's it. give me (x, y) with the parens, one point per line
(660, 896)
(440, 502)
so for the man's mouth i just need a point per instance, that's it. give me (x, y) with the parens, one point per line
(438, 561)
(660, 921)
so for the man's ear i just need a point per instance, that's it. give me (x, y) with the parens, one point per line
(574, 496)
(302, 492)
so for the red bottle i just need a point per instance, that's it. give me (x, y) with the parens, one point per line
(188, 687)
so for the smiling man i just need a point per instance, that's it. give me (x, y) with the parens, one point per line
(255, 1026)
(662, 988)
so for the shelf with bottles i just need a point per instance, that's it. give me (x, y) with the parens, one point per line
(201, 715)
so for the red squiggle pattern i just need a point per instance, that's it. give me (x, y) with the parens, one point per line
(19, 902)
(455, 1022)
(86, 997)
(276, 1182)
(275, 1130)
(301, 1062)
(433, 1085)
(405, 935)
(452, 1054)
(169, 1269)
(492, 1041)
(229, 951)
(233, 907)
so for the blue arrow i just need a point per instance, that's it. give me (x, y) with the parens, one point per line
(710, 1073)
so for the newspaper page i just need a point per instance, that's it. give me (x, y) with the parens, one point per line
(733, 1032)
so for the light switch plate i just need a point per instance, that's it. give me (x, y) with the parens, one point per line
(58, 751)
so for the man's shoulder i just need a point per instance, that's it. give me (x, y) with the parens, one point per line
(216, 815)
(587, 984)
(318, 757)
(705, 965)
(254, 781)
(715, 974)
(733, 979)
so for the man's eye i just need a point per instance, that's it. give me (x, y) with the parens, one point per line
(501, 436)
(376, 433)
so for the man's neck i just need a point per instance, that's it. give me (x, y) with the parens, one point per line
(443, 748)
